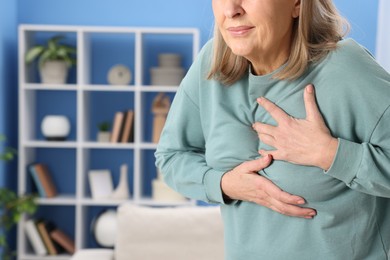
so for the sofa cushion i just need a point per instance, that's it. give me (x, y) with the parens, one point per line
(174, 233)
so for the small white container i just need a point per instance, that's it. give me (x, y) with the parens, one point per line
(103, 136)
(55, 127)
(164, 76)
(169, 60)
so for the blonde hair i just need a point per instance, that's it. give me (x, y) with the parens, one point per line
(315, 33)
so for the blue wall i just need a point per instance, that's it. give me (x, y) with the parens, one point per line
(168, 13)
(362, 15)
(8, 93)
(152, 13)
(8, 85)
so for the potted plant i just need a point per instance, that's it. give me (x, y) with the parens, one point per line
(54, 60)
(12, 207)
(103, 134)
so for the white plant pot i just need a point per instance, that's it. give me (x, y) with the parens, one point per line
(55, 127)
(54, 72)
(103, 137)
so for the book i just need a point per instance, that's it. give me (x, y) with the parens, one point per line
(46, 180)
(37, 181)
(116, 127)
(44, 228)
(127, 133)
(63, 240)
(35, 239)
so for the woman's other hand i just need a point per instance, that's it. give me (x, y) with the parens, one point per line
(302, 141)
(244, 183)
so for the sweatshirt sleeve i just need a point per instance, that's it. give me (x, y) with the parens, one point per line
(366, 167)
(180, 154)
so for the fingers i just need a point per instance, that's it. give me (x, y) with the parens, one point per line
(312, 111)
(263, 128)
(265, 132)
(276, 112)
(273, 153)
(257, 165)
(242, 183)
(283, 202)
(293, 211)
(276, 193)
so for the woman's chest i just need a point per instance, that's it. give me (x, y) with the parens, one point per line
(227, 116)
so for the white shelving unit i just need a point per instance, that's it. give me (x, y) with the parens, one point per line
(81, 92)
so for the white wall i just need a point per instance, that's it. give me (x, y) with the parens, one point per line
(383, 36)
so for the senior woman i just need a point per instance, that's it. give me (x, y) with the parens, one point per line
(285, 124)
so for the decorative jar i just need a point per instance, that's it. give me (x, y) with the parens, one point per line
(55, 127)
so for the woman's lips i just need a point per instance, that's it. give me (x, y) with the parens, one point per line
(239, 30)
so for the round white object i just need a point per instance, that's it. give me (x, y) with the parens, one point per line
(105, 228)
(119, 75)
(55, 127)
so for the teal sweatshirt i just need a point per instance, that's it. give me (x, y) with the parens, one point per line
(208, 132)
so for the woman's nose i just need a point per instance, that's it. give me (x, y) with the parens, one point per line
(233, 8)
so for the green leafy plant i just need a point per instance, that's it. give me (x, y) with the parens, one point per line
(12, 207)
(52, 51)
(104, 126)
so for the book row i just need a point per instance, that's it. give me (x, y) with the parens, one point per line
(47, 239)
(122, 127)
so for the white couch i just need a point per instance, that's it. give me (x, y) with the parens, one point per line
(168, 233)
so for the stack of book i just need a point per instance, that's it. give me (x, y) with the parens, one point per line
(122, 127)
(43, 180)
(46, 239)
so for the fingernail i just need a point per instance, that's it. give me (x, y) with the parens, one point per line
(310, 89)
(260, 99)
(311, 215)
(301, 201)
(267, 158)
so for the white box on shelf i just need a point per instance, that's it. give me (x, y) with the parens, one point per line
(100, 183)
